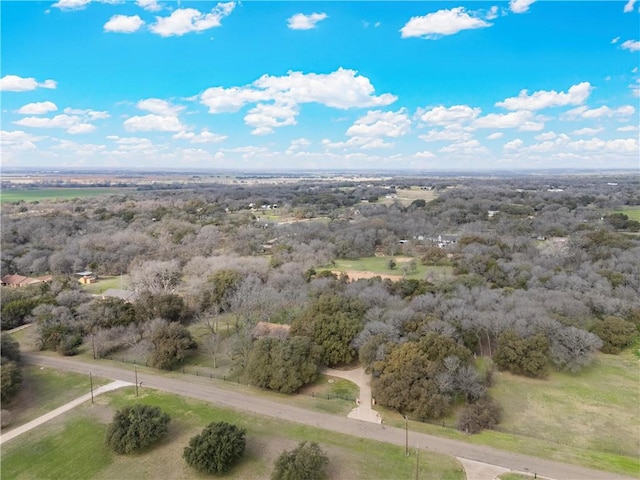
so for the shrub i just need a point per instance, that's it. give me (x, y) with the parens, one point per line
(480, 415)
(615, 334)
(306, 462)
(216, 449)
(136, 427)
(523, 356)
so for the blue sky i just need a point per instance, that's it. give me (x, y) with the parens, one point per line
(449, 85)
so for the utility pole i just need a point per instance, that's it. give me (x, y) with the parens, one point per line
(135, 368)
(93, 347)
(406, 435)
(91, 381)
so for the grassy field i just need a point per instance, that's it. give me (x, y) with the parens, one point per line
(406, 196)
(632, 213)
(380, 266)
(107, 282)
(43, 390)
(32, 194)
(72, 446)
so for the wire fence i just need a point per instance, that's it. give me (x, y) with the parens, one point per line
(204, 372)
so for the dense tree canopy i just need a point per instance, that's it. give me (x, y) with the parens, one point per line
(305, 462)
(283, 365)
(216, 448)
(136, 427)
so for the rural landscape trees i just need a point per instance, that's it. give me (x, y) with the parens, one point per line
(425, 282)
(136, 427)
(216, 448)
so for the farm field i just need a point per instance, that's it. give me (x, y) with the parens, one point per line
(60, 448)
(407, 195)
(374, 266)
(33, 195)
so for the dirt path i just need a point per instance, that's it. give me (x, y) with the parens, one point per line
(11, 434)
(213, 391)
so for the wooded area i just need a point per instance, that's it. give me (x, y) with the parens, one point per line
(528, 272)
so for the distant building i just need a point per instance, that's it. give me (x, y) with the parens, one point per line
(17, 281)
(274, 330)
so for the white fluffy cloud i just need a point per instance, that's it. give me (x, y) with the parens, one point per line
(628, 7)
(450, 134)
(265, 117)
(153, 122)
(513, 144)
(620, 145)
(521, 119)
(123, 24)
(466, 148)
(204, 136)
(300, 21)
(546, 136)
(159, 107)
(495, 136)
(520, 6)
(341, 89)
(448, 115)
(186, 20)
(72, 123)
(150, 5)
(71, 4)
(18, 140)
(37, 108)
(381, 124)
(587, 131)
(371, 130)
(443, 22)
(631, 45)
(600, 112)
(91, 114)
(14, 83)
(576, 95)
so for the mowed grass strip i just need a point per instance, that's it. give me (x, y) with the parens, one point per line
(39, 195)
(380, 265)
(632, 213)
(78, 451)
(45, 389)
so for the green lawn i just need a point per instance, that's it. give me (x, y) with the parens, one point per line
(44, 389)
(633, 213)
(380, 265)
(105, 283)
(590, 418)
(73, 447)
(40, 194)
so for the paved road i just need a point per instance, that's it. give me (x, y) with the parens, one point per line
(204, 389)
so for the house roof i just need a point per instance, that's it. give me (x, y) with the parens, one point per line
(267, 329)
(21, 280)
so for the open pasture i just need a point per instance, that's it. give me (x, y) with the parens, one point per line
(42, 194)
(73, 446)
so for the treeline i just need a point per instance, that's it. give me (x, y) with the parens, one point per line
(543, 276)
